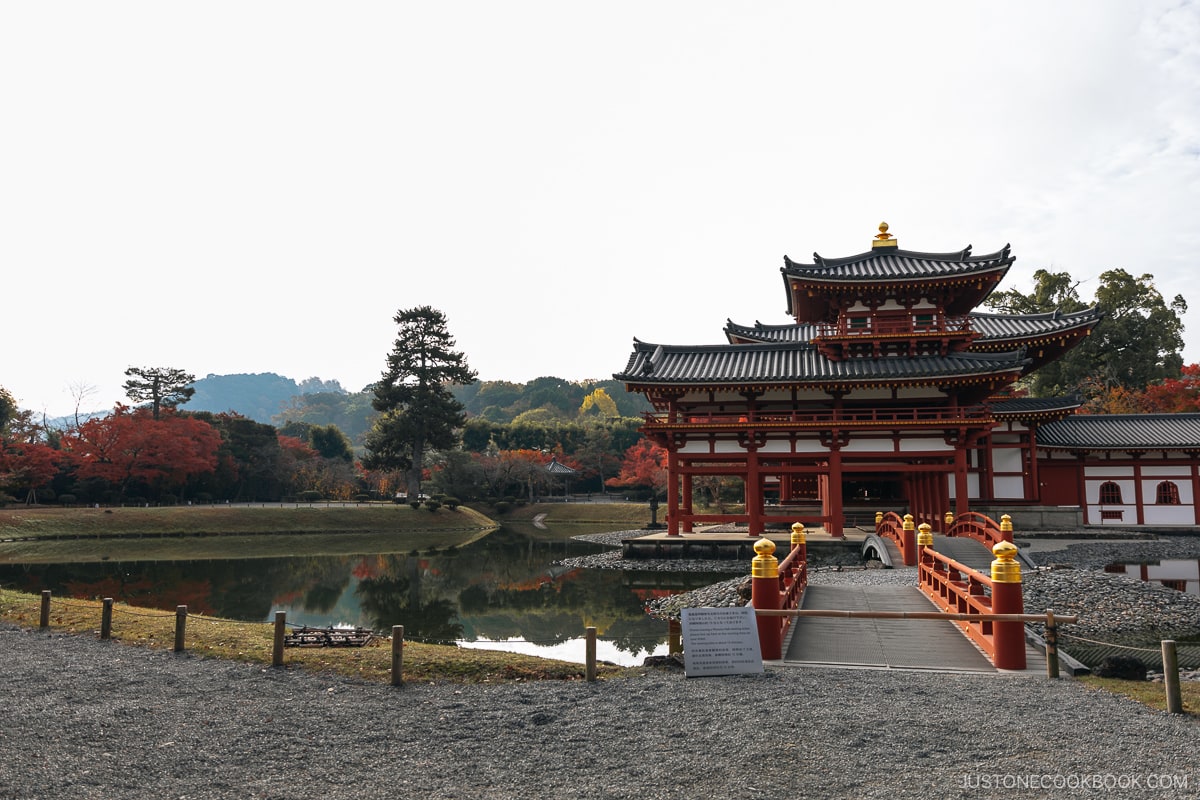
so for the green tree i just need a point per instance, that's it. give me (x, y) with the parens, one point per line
(417, 411)
(1138, 341)
(8, 409)
(330, 442)
(159, 386)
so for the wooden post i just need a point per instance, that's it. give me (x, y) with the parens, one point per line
(280, 629)
(1051, 645)
(1171, 677)
(180, 627)
(674, 636)
(590, 654)
(397, 655)
(1008, 638)
(45, 620)
(764, 593)
(106, 619)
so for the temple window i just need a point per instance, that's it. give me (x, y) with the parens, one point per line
(1110, 494)
(1167, 494)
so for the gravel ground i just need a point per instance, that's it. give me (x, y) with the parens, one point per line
(91, 719)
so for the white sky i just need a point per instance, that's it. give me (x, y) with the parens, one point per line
(232, 187)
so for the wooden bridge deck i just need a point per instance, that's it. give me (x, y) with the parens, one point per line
(884, 643)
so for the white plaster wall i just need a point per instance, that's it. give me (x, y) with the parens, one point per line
(725, 446)
(931, 445)
(695, 447)
(869, 446)
(1091, 471)
(1008, 487)
(1168, 471)
(1169, 515)
(1006, 460)
(972, 486)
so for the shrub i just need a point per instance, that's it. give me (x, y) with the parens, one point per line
(415, 504)
(503, 507)
(5, 499)
(203, 497)
(451, 503)
(432, 505)
(362, 498)
(310, 496)
(168, 500)
(66, 499)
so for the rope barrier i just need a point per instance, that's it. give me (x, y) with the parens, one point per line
(1113, 644)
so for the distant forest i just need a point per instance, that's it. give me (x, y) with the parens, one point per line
(274, 399)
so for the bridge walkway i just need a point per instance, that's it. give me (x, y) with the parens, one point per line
(885, 643)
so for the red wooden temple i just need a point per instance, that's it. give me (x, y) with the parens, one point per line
(889, 389)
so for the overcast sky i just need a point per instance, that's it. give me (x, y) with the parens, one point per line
(231, 187)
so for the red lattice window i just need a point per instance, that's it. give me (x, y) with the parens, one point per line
(1167, 494)
(1118, 514)
(1110, 494)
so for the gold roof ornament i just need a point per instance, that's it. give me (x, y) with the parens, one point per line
(883, 238)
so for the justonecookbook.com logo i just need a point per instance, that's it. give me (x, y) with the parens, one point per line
(1096, 782)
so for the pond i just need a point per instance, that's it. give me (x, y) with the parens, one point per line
(1180, 574)
(502, 591)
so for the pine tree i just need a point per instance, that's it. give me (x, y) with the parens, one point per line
(417, 411)
(159, 386)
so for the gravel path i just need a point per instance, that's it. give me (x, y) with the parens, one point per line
(90, 719)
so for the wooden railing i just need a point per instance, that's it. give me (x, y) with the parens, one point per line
(778, 585)
(899, 326)
(980, 527)
(900, 530)
(956, 588)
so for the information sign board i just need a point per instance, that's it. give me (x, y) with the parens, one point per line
(720, 641)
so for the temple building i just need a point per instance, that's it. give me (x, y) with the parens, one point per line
(890, 391)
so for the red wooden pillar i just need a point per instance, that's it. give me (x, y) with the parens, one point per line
(1195, 486)
(1008, 637)
(837, 508)
(754, 493)
(672, 492)
(1138, 495)
(686, 502)
(1082, 477)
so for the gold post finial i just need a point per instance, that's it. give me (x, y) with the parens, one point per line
(765, 564)
(799, 535)
(925, 535)
(1005, 569)
(883, 238)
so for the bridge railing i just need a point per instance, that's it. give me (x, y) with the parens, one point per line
(900, 530)
(778, 585)
(956, 588)
(980, 527)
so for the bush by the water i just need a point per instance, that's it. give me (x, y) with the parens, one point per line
(1126, 668)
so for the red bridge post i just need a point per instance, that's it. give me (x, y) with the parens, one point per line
(764, 594)
(1009, 637)
(909, 546)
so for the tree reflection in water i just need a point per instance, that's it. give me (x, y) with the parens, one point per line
(505, 585)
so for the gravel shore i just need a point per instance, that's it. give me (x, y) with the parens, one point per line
(91, 719)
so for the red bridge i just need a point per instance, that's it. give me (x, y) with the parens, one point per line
(964, 612)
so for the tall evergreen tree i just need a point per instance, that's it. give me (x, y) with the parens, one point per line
(1137, 343)
(159, 386)
(417, 411)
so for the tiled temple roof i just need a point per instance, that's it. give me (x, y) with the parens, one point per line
(1123, 432)
(991, 327)
(788, 363)
(892, 264)
(1037, 406)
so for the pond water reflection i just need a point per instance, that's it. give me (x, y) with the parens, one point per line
(502, 591)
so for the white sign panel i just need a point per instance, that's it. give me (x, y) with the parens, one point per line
(720, 641)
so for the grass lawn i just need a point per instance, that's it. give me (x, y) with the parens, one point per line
(1148, 692)
(253, 641)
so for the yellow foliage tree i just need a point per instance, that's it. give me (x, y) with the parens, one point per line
(601, 402)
